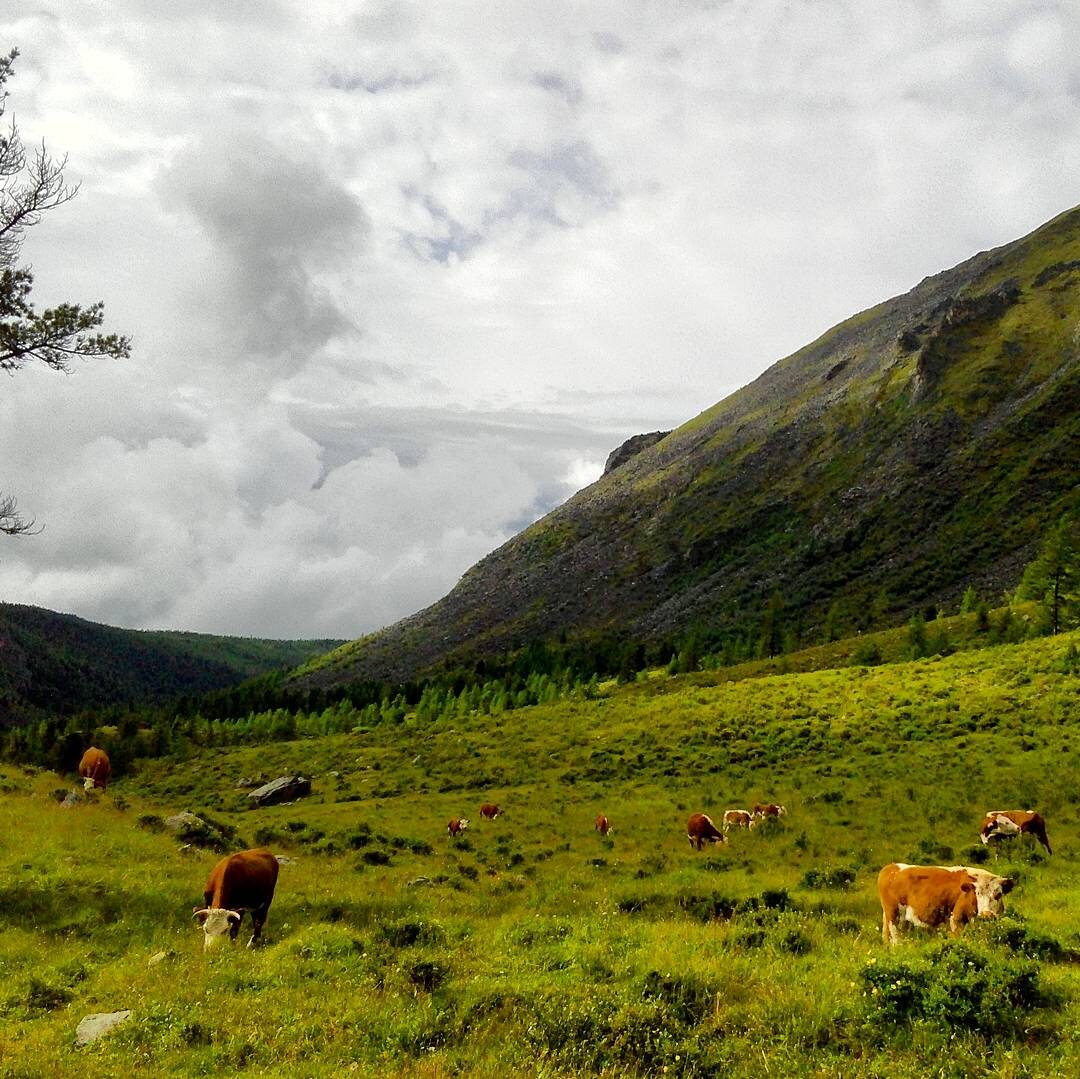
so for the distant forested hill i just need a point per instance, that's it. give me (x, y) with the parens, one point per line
(61, 664)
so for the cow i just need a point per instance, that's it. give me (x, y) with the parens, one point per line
(603, 825)
(762, 810)
(1007, 823)
(700, 828)
(934, 895)
(239, 882)
(489, 811)
(737, 818)
(457, 825)
(95, 769)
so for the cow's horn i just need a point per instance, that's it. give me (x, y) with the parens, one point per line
(233, 916)
(198, 912)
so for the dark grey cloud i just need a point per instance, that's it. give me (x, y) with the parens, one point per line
(554, 83)
(278, 224)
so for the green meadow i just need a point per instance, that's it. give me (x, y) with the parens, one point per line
(533, 946)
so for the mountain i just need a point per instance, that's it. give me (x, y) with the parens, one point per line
(60, 664)
(919, 447)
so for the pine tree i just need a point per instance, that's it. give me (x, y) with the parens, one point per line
(1053, 578)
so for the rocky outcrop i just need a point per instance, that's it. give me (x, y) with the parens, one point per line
(284, 789)
(631, 448)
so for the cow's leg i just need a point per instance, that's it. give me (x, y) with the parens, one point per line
(258, 918)
(234, 926)
(1041, 836)
(890, 929)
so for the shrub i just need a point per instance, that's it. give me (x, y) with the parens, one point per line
(406, 933)
(866, 654)
(838, 876)
(151, 822)
(44, 997)
(957, 986)
(688, 999)
(428, 975)
(375, 857)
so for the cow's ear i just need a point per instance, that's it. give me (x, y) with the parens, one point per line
(1007, 885)
(967, 886)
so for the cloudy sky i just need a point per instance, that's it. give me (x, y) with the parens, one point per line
(400, 274)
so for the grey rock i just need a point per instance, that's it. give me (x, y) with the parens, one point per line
(72, 798)
(631, 447)
(283, 789)
(92, 1027)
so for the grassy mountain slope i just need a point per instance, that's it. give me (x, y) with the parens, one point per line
(534, 947)
(918, 447)
(62, 664)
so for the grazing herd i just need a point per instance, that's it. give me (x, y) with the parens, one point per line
(927, 896)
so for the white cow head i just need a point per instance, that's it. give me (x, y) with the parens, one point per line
(990, 890)
(88, 783)
(216, 923)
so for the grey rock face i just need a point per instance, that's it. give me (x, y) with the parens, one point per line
(631, 447)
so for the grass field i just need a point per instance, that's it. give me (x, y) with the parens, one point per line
(532, 945)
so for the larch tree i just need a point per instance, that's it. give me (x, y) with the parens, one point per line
(31, 184)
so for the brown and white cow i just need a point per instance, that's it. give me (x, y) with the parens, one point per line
(1008, 823)
(603, 825)
(934, 895)
(700, 829)
(457, 825)
(489, 811)
(239, 882)
(738, 818)
(762, 810)
(95, 769)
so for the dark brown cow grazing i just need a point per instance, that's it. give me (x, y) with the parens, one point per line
(1007, 823)
(95, 769)
(457, 825)
(933, 895)
(489, 811)
(737, 818)
(603, 825)
(238, 883)
(700, 828)
(763, 810)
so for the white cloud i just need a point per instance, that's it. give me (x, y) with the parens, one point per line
(400, 274)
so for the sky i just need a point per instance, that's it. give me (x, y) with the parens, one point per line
(399, 275)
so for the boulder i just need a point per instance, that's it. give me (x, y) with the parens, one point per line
(73, 797)
(283, 789)
(92, 1027)
(193, 829)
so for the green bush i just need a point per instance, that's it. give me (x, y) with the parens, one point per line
(838, 876)
(955, 985)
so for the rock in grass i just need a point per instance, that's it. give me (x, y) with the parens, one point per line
(92, 1027)
(283, 789)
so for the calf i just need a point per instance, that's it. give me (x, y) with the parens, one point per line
(95, 769)
(239, 882)
(763, 810)
(603, 825)
(457, 825)
(700, 828)
(489, 811)
(737, 818)
(1007, 823)
(934, 895)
